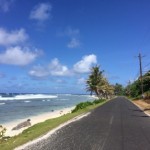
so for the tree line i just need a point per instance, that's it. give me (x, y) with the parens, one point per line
(134, 89)
(98, 84)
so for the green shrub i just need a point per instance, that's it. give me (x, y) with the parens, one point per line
(81, 106)
(86, 104)
(98, 101)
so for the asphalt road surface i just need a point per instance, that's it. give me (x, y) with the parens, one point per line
(117, 125)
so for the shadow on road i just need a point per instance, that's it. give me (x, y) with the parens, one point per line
(144, 116)
(146, 109)
(138, 110)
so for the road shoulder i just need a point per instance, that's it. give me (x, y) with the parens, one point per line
(145, 107)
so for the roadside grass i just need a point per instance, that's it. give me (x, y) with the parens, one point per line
(42, 128)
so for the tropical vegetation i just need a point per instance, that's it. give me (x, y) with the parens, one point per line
(83, 105)
(134, 89)
(119, 89)
(98, 84)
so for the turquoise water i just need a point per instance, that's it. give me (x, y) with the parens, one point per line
(23, 106)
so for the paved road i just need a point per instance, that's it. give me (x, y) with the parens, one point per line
(117, 125)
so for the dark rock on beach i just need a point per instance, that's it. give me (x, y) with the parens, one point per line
(22, 125)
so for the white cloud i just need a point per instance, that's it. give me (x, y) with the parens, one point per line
(5, 5)
(41, 12)
(81, 81)
(69, 32)
(73, 35)
(58, 69)
(72, 32)
(18, 56)
(84, 65)
(55, 68)
(74, 43)
(39, 71)
(13, 37)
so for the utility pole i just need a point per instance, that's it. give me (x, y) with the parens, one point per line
(141, 74)
(129, 90)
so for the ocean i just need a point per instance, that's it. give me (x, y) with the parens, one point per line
(20, 106)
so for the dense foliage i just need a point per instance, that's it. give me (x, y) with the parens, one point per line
(99, 85)
(86, 104)
(134, 89)
(118, 89)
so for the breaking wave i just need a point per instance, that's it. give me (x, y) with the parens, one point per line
(27, 101)
(2, 103)
(28, 96)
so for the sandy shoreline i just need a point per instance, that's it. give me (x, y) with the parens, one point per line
(34, 120)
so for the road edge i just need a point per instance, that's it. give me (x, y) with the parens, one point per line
(141, 108)
(52, 131)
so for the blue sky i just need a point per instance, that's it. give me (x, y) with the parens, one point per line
(50, 46)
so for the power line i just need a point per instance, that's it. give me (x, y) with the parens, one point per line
(146, 65)
(137, 76)
(146, 68)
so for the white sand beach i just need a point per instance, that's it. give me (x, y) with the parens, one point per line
(34, 120)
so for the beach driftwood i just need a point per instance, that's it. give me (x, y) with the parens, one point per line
(22, 125)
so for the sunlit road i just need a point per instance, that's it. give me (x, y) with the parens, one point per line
(117, 125)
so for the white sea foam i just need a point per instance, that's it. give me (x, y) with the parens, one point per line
(2, 103)
(93, 97)
(65, 94)
(28, 96)
(27, 101)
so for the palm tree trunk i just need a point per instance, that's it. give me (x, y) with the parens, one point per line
(97, 93)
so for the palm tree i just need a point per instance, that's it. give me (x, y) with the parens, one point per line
(103, 87)
(94, 80)
(108, 89)
(98, 84)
